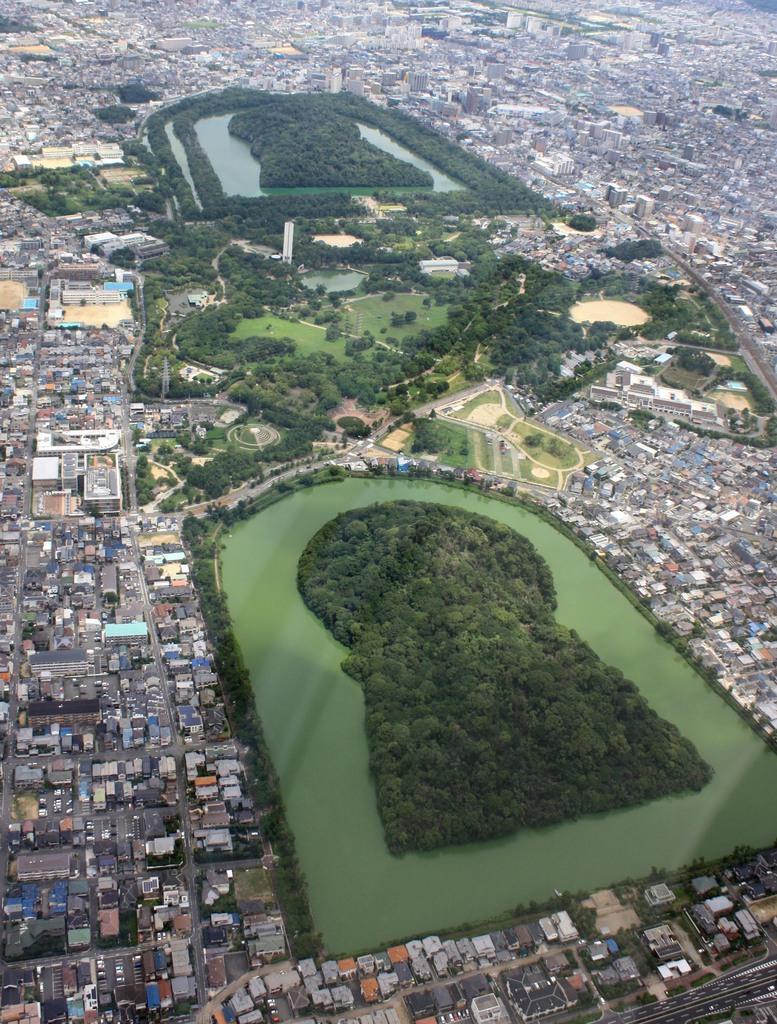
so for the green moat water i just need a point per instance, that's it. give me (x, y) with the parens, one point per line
(239, 171)
(333, 280)
(313, 717)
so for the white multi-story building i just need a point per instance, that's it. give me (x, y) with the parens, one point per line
(288, 240)
(629, 386)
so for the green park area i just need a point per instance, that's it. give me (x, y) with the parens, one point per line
(65, 190)
(484, 398)
(398, 341)
(401, 315)
(449, 443)
(485, 436)
(308, 337)
(543, 446)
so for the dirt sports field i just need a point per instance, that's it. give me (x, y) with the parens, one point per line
(12, 294)
(486, 415)
(96, 316)
(397, 439)
(719, 358)
(731, 400)
(611, 915)
(337, 241)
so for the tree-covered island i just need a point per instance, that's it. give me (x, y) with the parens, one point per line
(484, 715)
(303, 141)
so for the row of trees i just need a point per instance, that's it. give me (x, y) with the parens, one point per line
(290, 885)
(483, 714)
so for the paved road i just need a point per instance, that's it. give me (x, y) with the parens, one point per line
(189, 870)
(719, 996)
(13, 709)
(753, 354)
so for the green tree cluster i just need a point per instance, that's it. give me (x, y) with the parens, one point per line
(483, 714)
(582, 221)
(303, 141)
(635, 249)
(694, 361)
(136, 92)
(116, 113)
(354, 426)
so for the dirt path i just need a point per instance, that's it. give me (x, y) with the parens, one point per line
(153, 505)
(217, 562)
(215, 264)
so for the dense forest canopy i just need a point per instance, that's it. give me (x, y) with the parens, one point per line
(483, 714)
(116, 113)
(304, 142)
(635, 249)
(136, 92)
(488, 189)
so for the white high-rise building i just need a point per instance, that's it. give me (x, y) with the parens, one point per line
(288, 240)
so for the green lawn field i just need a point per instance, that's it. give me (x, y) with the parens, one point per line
(373, 314)
(309, 338)
(457, 451)
(552, 451)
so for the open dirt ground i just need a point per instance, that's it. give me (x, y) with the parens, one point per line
(731, 400)
(397, 440)
(719, 358)
(486, 415)
(624, 314)
(337, 241)
(12, 294)
(611, 915)
(96, 316)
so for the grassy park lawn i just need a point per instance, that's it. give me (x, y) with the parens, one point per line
(217, 437)
(534, 474)
(458, 450)
(738, 365)
(551, 450)
(677, 377)
(309, 338)
(373, 314)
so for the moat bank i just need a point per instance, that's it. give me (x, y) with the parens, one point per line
(314, 724)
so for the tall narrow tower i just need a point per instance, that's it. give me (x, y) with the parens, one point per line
(288, 240)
